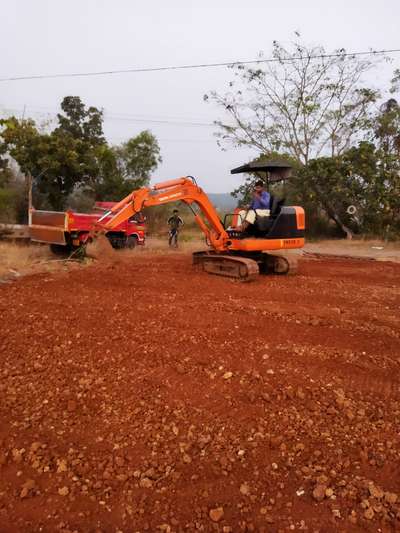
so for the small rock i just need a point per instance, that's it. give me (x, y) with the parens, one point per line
(376, 492)
(329, 493)
(390, 497)
(16, 455)
(300, 394)
(216, 514)
(319, 492)
(63, 491)
(61, 466)
(227, 375)
(369, 513)
(244, 489)
(28, 486)
(146, 483)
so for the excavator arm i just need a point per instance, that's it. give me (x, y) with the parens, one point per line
(183, 189)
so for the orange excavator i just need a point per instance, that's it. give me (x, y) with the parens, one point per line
(233, 253)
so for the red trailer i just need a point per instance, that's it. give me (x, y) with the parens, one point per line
(67, 231)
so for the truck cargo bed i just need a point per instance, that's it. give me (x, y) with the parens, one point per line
(48, 226)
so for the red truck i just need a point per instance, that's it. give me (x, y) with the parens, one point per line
(67, 231)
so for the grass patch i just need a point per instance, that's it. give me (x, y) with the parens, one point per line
(21, 257)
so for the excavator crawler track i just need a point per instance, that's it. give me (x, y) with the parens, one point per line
(240, 268)
(280, 264)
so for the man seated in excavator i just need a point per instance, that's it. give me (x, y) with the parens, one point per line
(258, 208)
(230, 252)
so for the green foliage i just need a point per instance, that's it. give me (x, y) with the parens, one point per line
(76, 157)
(79, 122)
(60, 160)
(13, 199)
(125, 168)
(7, 205)
(137, 158)
(364, 177)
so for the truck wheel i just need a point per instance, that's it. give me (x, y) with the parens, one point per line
(131, 242)
(115, 242)
(60, 249)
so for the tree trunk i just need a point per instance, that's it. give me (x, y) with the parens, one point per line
(332, 214)
(335, 217)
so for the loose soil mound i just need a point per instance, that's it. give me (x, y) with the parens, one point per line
(141, 395)
(100, 249)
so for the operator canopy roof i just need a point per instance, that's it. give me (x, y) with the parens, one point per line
(276, 170)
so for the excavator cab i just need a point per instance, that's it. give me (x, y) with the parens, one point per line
(281, 220)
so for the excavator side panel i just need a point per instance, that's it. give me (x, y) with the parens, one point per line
(259, 245)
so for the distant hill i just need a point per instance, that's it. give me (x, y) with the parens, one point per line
(223, 201)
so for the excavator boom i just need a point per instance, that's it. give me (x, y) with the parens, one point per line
(182, 189)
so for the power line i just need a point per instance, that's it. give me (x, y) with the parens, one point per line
(118, 139)
(109, 113)
(126, 118)
(197, 66)
(178, 123)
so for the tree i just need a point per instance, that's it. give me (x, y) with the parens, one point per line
(52, 159)
(386, 136)
(61, 160)
(5, 171)
(363, 177)
(126, 167)
(304, 103)
(79, 122)
(327, 183)
(386, 131)
(75, 156)
(137, 158)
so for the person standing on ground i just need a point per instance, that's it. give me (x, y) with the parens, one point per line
(175, 223)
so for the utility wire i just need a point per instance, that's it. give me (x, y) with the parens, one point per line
(154, 121)
(126, 118)
(119, 139)
(197, 66)
(110, 114)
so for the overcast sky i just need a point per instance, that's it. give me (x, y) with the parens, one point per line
(62, 36)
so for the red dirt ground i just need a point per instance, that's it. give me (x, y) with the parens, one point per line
(141, 395)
